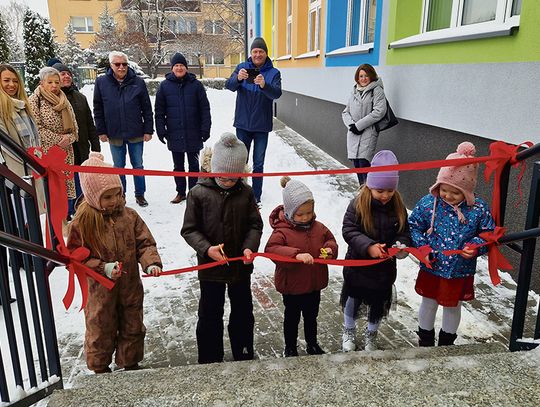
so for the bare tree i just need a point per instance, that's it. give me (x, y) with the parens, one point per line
(147, 25)
(231, 13)
(200, 45)
(14, 17)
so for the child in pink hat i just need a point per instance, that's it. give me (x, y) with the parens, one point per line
(118, 240)
(451, 217)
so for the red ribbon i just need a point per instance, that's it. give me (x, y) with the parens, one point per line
(54, 164)
(76, 268)
(502, 154)
(419, 253)
(496, 259)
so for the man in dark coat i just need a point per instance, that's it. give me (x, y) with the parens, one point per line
(123, 115)
(183, 119)
(88, 139)
(257, 84)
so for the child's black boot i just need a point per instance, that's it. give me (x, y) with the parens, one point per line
(290, 351)
(314, 349)
(425, 337)
(446, 339)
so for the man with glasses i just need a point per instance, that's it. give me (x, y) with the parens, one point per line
(123, 116)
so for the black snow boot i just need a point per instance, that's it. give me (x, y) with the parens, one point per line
(446, 339)
(425, 337)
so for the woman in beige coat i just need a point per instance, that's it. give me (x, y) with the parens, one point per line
(55, 118)
(366, 106)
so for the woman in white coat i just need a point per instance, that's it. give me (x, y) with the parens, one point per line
(366, 106)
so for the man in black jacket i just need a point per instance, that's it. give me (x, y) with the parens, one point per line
(88, 138)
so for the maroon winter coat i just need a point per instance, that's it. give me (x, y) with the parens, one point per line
(289, 240)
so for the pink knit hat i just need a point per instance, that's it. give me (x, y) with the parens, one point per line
(94, 185)
(463, 177)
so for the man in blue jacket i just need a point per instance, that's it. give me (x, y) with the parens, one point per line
(123, 116)
(257, 84)
(183, 119)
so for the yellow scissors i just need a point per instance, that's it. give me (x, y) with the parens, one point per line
(324, 253)
(224, 255)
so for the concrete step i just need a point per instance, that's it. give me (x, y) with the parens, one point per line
(480, 375)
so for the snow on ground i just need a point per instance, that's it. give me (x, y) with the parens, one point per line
(165, 220)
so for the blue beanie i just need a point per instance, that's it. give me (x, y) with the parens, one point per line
(53, 61)
(178, 58)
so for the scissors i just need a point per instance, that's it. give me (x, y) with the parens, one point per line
(224, 255)
(324, 253)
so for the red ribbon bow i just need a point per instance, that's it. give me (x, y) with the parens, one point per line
(507, 154)
(76, 268)
(54, 164)
(496, 260)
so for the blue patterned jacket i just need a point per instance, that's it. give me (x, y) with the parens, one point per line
(449, 234)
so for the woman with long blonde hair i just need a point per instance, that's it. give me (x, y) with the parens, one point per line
(16, 118)
(375, 220)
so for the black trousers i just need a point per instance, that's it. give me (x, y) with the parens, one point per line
(193, 166)
(210, 324)
(308, 306)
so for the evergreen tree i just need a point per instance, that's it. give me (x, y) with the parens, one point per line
(38, 46)
(70, 52)
(108, 38)
(5, 40)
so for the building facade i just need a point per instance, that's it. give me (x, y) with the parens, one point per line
(453, 70)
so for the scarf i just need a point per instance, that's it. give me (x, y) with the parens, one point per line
(24, 125)
(60, 104)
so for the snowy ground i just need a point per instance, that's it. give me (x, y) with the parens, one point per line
(170, 301)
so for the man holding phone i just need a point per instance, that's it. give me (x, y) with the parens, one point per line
(257, 84)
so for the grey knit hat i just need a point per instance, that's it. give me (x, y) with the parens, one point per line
(295, 194)
(229, 155)
(260, 43)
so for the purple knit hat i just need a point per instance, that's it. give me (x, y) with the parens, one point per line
(384, 179)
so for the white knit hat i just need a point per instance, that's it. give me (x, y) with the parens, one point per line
(295, 194)
(229, 155)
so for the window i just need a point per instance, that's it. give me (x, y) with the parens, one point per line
(216, 58)
(183, 25)
(440, 14)
(213, 27)
(236, 30)
(82, 24)
(361, 15)
(314, 24)
(289, 27)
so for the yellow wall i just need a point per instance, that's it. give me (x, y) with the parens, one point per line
(299, 41)
(61, 11)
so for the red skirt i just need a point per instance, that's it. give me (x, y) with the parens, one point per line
(446, 291)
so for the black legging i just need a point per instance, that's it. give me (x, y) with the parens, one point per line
(308, 305)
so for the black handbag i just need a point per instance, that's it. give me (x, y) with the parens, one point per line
(389, 120)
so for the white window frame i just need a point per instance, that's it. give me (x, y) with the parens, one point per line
(288, 35)
(314, 8)
(86, 20)
(502, 25)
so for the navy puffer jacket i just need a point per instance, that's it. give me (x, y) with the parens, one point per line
(182, 113)
(122, 110)
(253, 104)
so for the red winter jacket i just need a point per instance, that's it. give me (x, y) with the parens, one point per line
(289, 240)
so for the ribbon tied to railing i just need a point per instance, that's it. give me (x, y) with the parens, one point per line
(496, 259)
(507, 154)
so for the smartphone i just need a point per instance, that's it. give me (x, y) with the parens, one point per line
(252, 74)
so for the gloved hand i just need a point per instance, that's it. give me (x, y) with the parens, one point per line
(205, 135)
(355, 130)
(401, 254)
(162, 139)
(153, 270)
(113, 270)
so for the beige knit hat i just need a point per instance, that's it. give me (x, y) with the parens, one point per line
(463, 177)
(94, 185)
(229, 156)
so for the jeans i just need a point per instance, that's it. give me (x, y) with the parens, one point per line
(260, 141)
(135, 157)
(361, 163)
(193, 165)
(210, 324)
(78, 192)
